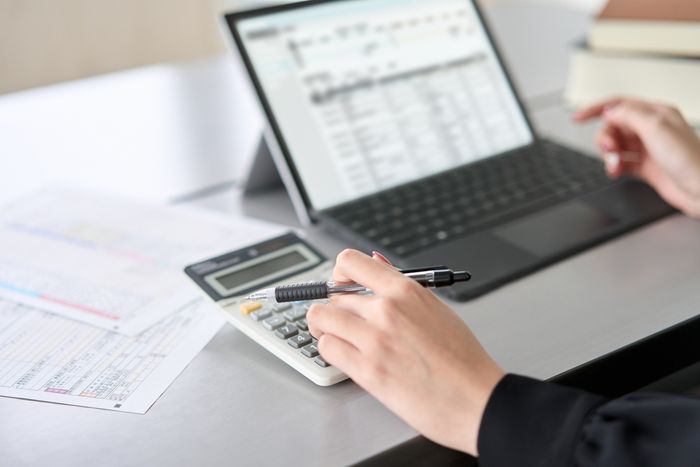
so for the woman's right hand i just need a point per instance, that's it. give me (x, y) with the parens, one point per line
(651, 142)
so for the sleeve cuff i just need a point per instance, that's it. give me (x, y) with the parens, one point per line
(533, 423)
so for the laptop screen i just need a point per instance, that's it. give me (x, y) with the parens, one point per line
(371, 94)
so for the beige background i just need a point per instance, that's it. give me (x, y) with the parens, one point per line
(48, 41)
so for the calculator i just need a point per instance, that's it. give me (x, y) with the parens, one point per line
(280, 328)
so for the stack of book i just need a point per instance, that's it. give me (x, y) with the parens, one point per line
(648, 49)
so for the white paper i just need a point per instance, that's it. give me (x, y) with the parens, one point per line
(49, 358)
(109, 262)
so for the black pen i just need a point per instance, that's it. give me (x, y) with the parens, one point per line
(432, 278)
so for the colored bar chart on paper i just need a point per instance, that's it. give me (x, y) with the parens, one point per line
(106, 261)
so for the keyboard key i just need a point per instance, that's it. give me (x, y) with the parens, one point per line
(261, 315)
(310, 351)
(321, 362)
(300, 340)
(302, 324)
(401, 250)
(250, 307)
(296, 313)
(490, 191)
(285, 332)
(274, 323)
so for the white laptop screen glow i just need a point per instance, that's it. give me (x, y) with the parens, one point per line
(371, 94)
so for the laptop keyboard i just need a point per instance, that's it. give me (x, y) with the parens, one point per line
(413, 217)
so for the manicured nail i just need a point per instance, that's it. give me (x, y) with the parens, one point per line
(378, 255)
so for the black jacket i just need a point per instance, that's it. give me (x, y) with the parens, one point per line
(532, 423)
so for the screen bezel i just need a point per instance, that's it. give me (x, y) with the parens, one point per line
(233, 18)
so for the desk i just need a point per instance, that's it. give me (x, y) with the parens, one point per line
(238, 405)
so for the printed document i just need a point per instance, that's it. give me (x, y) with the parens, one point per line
(112, 263)
(50, 358)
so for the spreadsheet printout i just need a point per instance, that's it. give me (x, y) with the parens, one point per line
(46, 357)
(106, 261)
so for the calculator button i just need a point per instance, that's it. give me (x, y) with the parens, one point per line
(250, 307)
(300, 340)
(295, 313)
(280, 307)
(274, 323)
(302, 324)
(261, 315)
(321, 362)
(285, 332)
(310, 351)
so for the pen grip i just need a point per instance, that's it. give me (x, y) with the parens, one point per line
(302, 292)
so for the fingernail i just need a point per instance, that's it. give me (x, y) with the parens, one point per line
(608, 145)
(378, 255)
(612, 160)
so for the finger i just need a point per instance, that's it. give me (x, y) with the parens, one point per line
(381, 258)
(331, 319)
(610, 139)
(639, 117)
(601, 108)
(631, 141)
(358, 304)
(353, 266)
(596, 110)
(613, 164)
(311, 316)
(340, 354)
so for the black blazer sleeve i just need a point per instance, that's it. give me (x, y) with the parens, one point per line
(533, 423)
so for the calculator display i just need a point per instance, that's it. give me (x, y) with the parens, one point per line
(265, 268)
(236, 273)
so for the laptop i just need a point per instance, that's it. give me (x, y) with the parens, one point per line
(395, 125)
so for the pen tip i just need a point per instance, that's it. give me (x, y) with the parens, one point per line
(462, 276)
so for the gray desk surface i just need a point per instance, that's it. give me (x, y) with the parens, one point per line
(238, 405)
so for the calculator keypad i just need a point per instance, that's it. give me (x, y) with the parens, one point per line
(300, 340)
(321, 362)
(288, 322)
(280, 307)
(261, 315)
(296, 313)
(285, 332)
(310, 351)
(274, 323)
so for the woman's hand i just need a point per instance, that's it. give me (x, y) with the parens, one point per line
(408, 349)
(652, 142)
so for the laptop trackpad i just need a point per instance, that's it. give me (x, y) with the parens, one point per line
(556, 229)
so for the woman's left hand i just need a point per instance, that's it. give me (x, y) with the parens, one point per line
(409, 350)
